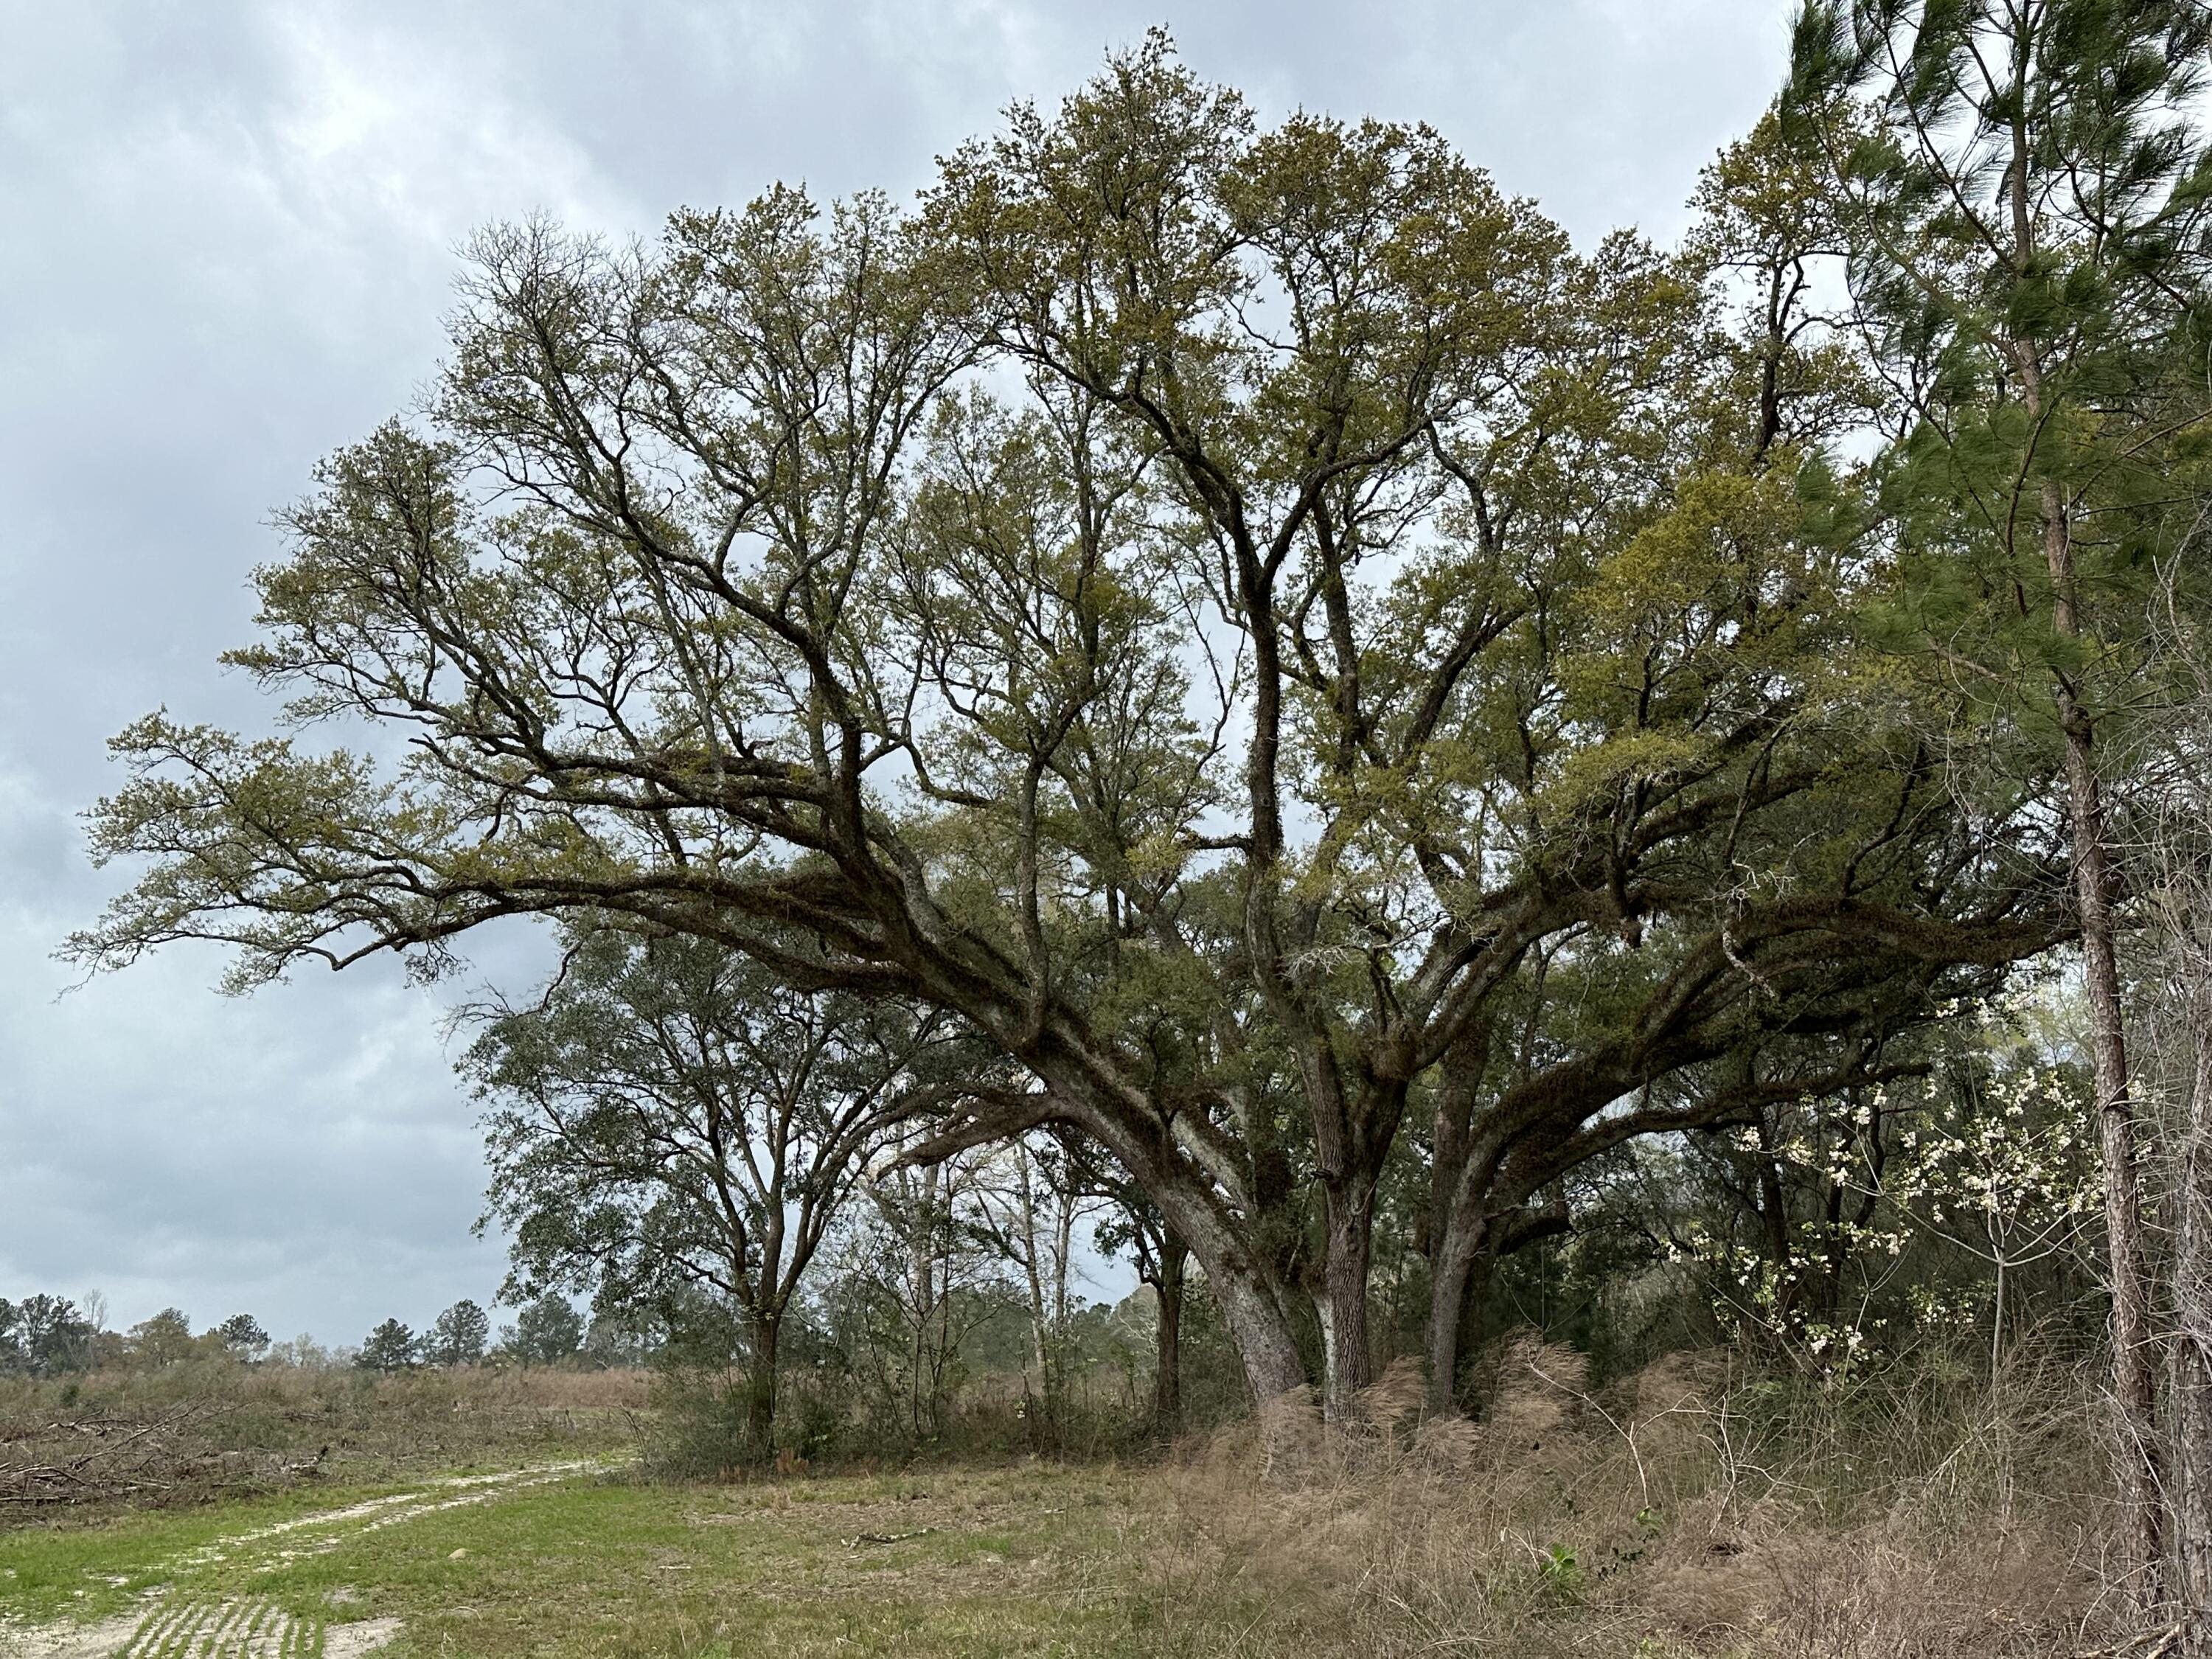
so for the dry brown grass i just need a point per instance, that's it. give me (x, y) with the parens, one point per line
(1693, 1510)
(1703, 1508)
(199, 1431)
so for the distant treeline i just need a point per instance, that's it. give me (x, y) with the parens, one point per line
(48, 1335)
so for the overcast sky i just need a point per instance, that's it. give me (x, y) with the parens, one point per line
(225, 239)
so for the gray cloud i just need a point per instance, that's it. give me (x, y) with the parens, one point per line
(228, 235)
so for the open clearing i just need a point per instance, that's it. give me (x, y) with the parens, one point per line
(1553, 1529)
(575, 1559)
(1528, 1537)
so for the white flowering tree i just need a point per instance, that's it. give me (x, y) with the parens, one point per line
(2012, 1184)
(1989, 1154)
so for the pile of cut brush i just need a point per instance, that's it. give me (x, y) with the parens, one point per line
(99, 1459)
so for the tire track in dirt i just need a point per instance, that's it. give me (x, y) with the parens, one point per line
(202, 1629)
(252, 1627)
(224, 1630)
(330, 1529)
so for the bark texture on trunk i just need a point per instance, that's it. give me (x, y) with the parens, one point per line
(2142, 1497)
(2134, 1386)
(1248, 1302)
(1273, 1365)
(1484, 1222)
(1452, 1241)
(1450, 1276)
(2192, 1352)
(1167, 1347)
(760, 1390)
(1252, 1298)
(1342, 1302)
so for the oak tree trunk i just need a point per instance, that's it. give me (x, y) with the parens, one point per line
(1250, 1300)
(1167, 1352)
(1272, 1363)
(1342, 1302)
(767, 1330)
(1452, 1270)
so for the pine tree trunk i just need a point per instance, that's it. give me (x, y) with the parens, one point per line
(2134, 1388)
(2192, 1351)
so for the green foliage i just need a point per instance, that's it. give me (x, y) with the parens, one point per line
(161, 1340)
(545, 1331)
(458, 1335)
(389, 1347)
(1560, 1574)
(669, 1122)
(241, 1335)
(1247, 628)
(673, 1129)
(42, 1336)
(2023, 192)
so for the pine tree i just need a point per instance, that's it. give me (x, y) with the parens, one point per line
(458, 1335)
(2024, 192)
(242, 1336)
(389, 1347)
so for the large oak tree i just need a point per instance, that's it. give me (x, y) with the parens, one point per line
(1233, 616)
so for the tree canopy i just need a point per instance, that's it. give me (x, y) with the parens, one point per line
(1246, 623)
(668, 1121)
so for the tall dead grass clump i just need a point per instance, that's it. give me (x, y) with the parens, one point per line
(1701, 1507)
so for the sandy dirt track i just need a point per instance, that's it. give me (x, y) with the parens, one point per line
(174, 1626)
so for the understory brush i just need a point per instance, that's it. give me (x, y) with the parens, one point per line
(1700, 1507)
(697, 1428)
(865, 1400)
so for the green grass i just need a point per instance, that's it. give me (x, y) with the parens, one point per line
(92, 1572)
(1836, 1524)
(1027, 1562)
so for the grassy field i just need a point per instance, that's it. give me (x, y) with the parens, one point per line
(582, 1563)
(1680, 1517)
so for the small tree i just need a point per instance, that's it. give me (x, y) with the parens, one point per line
(546, 1331)
(163, 1340)
(391, 1347)
(1027, 1200)
(669, 1122)
(1162, 1260)
(458, 1335)
(913, 1283)
(242, 1337)
(302, 1352)
(620, 1339)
